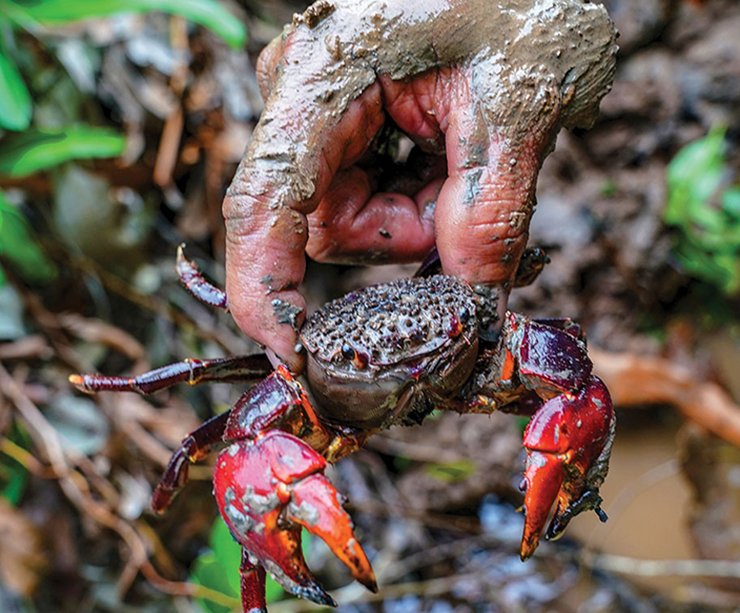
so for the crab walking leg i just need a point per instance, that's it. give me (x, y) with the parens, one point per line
(266, 489)
(194, 282)
(235, 369)
(252, 585)
(196, 446)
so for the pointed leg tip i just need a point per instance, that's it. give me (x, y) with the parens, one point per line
(160, 502)
(79, 382)
(371, 584)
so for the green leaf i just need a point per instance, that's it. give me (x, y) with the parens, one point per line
(452, 471)
(218, 569)
(208, 572)
(38, 150)
(228, 553)
(13, 475)
(731, 202)
(19, 247)
(208, 13)
(15, 101)
(706, 216)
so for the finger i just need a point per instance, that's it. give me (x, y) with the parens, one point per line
(484, 208)
(294, 153)
(353, 224)
(386, 214)
(267, 66)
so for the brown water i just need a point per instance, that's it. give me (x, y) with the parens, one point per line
(647, 501)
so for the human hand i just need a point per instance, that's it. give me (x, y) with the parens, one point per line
(481, 88)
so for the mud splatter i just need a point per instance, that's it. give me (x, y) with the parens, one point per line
(267, 280)
(286, 313)
(487, 304)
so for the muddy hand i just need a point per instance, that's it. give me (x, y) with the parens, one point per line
(480, 88)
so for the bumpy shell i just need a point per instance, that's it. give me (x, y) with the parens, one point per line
(376, 353)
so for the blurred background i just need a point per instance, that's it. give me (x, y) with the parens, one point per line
(121, 124)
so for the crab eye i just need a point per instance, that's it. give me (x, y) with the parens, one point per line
(348, 353)
(464, 315)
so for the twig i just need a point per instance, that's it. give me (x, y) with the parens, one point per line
(76, 488)
(625, 565)
(30, 462)
(414, 451)
(432, 520)
(352, 595)
(633, 379)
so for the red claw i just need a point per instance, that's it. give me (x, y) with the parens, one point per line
(286, 490)
(568, 444)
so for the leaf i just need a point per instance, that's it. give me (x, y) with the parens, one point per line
(38, 150)
(218, 569)
(15, 101)
(19, 247)
(452, 471)
(13, 475)
(22, 555)
(731, 202)
(227, 552)
(11, 313)
(209, 573)
(79, 423)
(707, 217)
(208, 13)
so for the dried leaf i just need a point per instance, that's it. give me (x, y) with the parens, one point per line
(21, 555)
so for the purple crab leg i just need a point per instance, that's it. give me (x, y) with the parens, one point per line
(194, 282)
(196, 446)
(234, 369)
(566, 324)
(430, 265)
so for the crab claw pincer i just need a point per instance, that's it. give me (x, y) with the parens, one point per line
(266, 489)
(568, 444)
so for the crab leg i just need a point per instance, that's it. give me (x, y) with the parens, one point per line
(235, 369)
(569, 438)
(196, 446)
(194, 282)
(252, 585)
(568, 444)
(266, 489)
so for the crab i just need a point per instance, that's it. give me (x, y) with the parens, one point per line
(385, 355)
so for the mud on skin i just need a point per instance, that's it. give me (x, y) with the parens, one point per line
(531, 67)
(525, 57)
